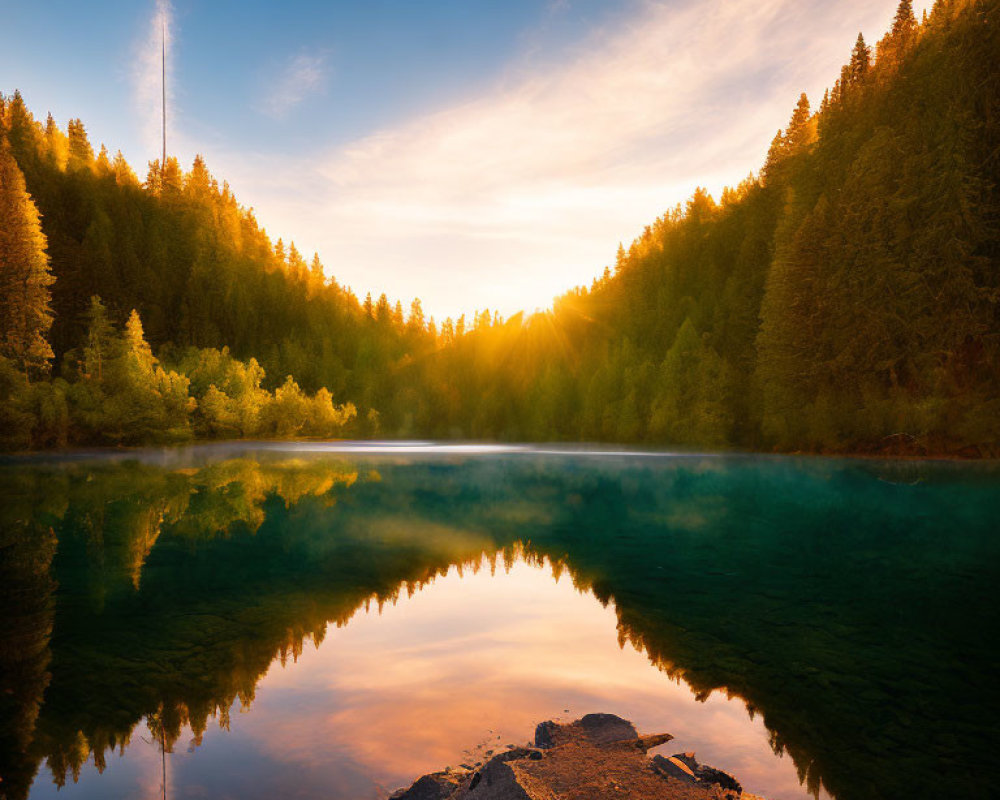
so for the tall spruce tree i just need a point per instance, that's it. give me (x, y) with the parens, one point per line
(25, 315)
(861, 58)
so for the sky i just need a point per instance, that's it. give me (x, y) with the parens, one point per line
(472, 153)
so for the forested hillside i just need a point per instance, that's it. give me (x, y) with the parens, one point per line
(200, 284)
(845, 299)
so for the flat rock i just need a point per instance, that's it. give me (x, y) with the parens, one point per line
(596, 757)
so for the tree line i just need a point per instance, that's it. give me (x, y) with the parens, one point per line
(845, 298)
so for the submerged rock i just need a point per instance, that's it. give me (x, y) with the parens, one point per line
(596, 757)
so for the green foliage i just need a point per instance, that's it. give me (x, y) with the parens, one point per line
(847, 299)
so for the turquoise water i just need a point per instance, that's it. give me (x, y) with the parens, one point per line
(315, 621)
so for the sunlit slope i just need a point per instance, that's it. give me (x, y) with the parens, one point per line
(846, 298)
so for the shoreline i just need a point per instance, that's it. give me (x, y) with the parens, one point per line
(559, 447)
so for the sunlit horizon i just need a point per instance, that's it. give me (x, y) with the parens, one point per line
(494, 178)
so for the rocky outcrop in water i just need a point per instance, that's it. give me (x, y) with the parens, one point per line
(597, 757)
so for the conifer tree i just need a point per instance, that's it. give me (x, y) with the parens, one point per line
(895, 43)
(81, 154)
(154, 178)
(103, 162)
(23, 134)
(172, 178)
(774, 155)
(124, 175)
(824, 104)
(383, 313)
(797, 133)
(296, 264)
(56, 143)
(136, 345)
(905, 22)
(25, 314)
(317, 277)
(198, 182)
(99, 347)
(860, 61)
(416, 321)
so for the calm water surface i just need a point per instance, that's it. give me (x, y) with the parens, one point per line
(257, 621)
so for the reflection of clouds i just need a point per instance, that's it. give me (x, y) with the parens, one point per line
(471, 659)
(467, 664)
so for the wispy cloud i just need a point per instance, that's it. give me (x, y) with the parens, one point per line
(525, 189)
(147, 75)
(303, 75)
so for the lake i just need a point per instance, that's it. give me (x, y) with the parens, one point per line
(331, 621)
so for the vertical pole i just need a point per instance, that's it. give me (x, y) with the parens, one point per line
(163, 756)
(163, 53)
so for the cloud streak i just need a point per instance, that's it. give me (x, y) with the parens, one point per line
(305, 74)
(519, 193)
(147, 76)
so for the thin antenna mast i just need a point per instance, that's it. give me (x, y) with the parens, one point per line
(163, 65)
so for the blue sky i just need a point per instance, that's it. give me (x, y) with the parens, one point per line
(470, 153)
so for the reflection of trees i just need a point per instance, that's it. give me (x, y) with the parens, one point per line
(802, 589)
(106, 657)
(835, 605)
(26, 614)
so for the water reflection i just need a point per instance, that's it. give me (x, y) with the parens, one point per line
(842, 605)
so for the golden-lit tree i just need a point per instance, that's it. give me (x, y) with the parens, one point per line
(25, 277)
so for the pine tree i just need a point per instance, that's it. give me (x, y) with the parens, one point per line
(172, 178)
(25, 314)
(81, 154)
(99, 347)
(383, 313)
(797, 133)
(136, 345)
(905, 23)
(198, 182)
(24, 135)
(416, 321)
(154, 178)
(56, 143)
(861, 58)
(775, 153)
(296, 264)
(103, 162)
(124, 175)
(896, 41)
(317, 277)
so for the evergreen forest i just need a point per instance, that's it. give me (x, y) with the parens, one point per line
(843, 299)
